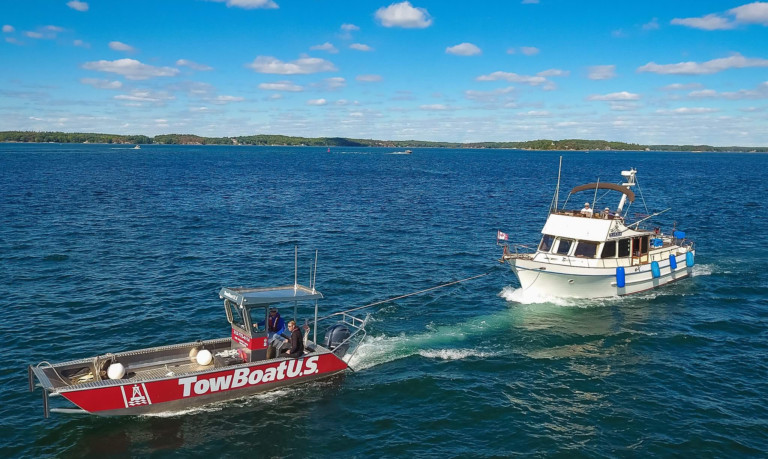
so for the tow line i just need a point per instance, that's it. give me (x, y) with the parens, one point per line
(413, 293)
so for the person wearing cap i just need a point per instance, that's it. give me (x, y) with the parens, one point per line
(275, 330)
(586, 211)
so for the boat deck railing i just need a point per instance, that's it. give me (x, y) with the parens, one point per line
(520, 251)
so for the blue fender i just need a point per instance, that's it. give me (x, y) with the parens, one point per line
(655, 271)
(673, 262)
(689, 259)
(620, 281)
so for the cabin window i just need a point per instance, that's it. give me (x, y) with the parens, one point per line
(564, 246)
(624, 246)
(586, 249)
(609, 249)
(546, 243)
(235, 314)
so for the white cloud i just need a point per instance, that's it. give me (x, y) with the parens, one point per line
(81, 44)
(708, 22)
(281, 86)
(687, 111)
(761, 92)
(704, 68)
(79, 6)
(653, 25)
(120, 46)
(317, 102)
(538, 113)
(349, 27)
(513, 77)
(488, 96)
(463, 49)
(249, 4)
(527, 50)
(33, 34)
(193, 65)
(223, 100)
(602, 72)
(530, 2)
(146, 95)
(540, 79)
(368, 78)
(752, 13)
(554, 72)
(333, 83)
(403, 15)
(8, 29)
(615, 96)
(325, 47)
(681, 87)
(360, 47)
(434, 107)
(102, 84)
(131, 69)
(304, 65)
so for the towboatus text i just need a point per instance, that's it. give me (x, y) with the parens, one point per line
(249, 377)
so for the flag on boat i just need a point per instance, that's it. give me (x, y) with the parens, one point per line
(502, 236)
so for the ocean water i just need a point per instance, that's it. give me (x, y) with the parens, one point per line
(104, 248)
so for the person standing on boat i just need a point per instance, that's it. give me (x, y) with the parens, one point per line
(586, 211)
(297, 341)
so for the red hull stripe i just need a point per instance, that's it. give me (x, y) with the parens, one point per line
(193, 385)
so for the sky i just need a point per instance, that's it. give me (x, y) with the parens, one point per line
(647, 72)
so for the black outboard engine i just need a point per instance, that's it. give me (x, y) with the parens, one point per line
(336, 339)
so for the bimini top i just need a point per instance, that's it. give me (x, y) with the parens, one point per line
(606, 186)
(244, 296)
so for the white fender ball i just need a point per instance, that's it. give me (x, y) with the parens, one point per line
(116, 371)
(204, 357)
(193, 354)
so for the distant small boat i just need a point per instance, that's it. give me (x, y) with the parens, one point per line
(137, 147)
(408, 152)
(329, 149)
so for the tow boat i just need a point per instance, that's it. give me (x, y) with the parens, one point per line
(181, 376)
(588, 254)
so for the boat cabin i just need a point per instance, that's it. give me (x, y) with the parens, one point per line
(248, 313)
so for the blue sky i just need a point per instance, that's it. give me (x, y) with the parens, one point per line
(651, 72)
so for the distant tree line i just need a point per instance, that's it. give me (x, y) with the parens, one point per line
(265, 139)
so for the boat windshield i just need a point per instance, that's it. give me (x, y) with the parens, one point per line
(564, 246)
(586, 249)
(235, 314)
(546, 243)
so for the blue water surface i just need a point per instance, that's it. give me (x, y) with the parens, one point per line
(104, 248)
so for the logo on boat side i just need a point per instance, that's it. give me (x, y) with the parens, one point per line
(245, 376)
(139, 396)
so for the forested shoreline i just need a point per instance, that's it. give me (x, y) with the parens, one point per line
(282, 140)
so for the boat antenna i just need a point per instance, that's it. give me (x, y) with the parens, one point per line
(557, 188)
(594, 199)
(314, 276)
(295, 268)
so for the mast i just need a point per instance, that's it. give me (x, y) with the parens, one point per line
(557, 188)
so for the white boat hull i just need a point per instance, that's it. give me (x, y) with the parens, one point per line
(547, 279)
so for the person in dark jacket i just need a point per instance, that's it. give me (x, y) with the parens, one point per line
(297, 341)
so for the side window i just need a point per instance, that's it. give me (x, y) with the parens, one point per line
(564, 246)
(546, 243)
(586, 249)
(624, 245)
(609, 250)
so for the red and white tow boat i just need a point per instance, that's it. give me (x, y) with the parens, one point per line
(182, 376)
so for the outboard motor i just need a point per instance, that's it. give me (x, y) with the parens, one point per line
(335, 338)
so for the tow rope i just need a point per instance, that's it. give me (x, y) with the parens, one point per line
(411, 294)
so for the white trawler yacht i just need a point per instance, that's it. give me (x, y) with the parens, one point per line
(589, 254)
